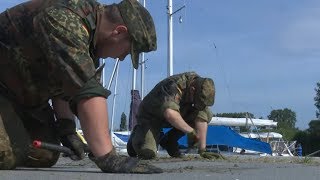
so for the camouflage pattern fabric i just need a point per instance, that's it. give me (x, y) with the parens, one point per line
(204, 93)
(16, 132)
(141, 28)
(46, 49)
(46, 46)
(143, 142)
(173, 93)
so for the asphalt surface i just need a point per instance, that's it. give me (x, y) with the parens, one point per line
(235, 167)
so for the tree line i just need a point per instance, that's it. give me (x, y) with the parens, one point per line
(286, 118)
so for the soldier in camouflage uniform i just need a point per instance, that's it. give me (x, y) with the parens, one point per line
(180, 101)
(49, 49)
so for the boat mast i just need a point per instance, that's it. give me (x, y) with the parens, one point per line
(170, 36)
(170, 40)
(114, 97)
(142, 66)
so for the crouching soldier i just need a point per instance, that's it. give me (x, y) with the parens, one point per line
(181, 101)
(49, 49)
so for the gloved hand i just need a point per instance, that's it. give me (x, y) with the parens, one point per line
(66, 129)
(192, 138)
(113, 163)
(210, 155)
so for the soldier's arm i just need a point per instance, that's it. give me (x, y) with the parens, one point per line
(175, 119)
(93, 117)
(62, 109)
(201, 128)
(66, 43)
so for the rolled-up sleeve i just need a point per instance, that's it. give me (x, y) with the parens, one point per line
(205, 115)
(171, 96)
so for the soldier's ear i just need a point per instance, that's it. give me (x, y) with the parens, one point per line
(120, 29)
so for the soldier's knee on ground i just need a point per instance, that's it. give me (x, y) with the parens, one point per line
(142, 143)
(13, 137)
(41, 158)
(7, 160)
(43, 131)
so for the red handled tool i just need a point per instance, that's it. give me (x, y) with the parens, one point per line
(52, 147)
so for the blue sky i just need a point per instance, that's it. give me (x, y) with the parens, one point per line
(266, 56)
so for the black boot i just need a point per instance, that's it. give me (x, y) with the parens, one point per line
(130, 149)
(170, 142)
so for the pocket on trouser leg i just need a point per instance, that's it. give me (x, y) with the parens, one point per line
(41, 158)
(44, 131)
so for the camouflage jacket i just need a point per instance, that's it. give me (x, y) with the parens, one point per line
(172, 93)
(46, 48)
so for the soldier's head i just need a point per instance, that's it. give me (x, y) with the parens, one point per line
(125, 28)
(203, 93)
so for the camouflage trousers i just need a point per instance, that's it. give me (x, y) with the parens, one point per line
(17, 131)
(143, 142)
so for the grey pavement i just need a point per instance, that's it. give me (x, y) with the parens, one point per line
(236, 167)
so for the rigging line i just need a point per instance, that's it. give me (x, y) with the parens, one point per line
(221, 67)
(185, 10)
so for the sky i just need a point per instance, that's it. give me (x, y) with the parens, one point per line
(262, 55)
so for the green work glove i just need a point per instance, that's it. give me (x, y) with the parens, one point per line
(66, 129)
(210, 155)
(113, 163)
(192, 138)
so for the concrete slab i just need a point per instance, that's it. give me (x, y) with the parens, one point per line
(190, 167)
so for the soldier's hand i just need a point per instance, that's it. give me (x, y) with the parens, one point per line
(73, 142)
(66, 130)
(192, 138)
(210, 155)
(113, 163)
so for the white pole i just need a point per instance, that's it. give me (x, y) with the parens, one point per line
(103, 76)
(112, 75)
(170, 39)
(142, 74)
(142, 66)
(114, 98)
(134, 76)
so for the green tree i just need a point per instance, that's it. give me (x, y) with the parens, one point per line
(310, 138)
(286, 118)
(317, 100)
(123, 123)
(314, 128)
